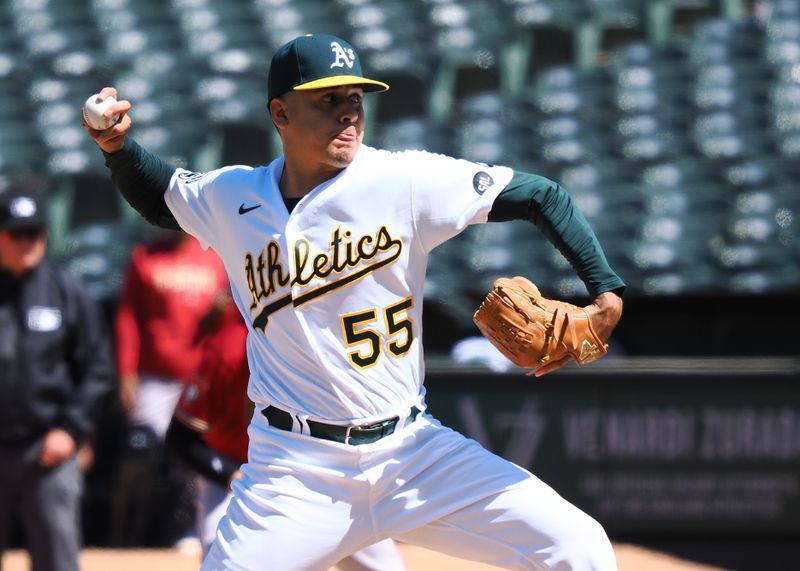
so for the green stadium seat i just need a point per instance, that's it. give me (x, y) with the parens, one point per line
(604, 17)
(395, 48)
(411, 133)
(466, 38)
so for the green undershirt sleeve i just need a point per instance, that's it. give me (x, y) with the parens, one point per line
(547, 205)
(142, 178)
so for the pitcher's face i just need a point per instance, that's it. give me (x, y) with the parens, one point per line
(323, 126)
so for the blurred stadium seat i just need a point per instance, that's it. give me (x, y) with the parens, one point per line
(393, 44)
(417, 132)
(467, 37)
(98, 253)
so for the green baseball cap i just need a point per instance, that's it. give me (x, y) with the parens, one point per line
(315, 61)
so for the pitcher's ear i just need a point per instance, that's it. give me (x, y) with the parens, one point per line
(277, 111)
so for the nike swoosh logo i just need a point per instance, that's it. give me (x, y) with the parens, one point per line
(243, 210)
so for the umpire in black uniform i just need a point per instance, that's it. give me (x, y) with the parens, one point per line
(55, 365)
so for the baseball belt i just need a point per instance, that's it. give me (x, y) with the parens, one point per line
(352, 435)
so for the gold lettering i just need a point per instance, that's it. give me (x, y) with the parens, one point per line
(301, 252)
(320, 263)
(267, 291)
(268, 276)
(385, 240)
(265, 274)
(362, 243)
(335, 242)
(350, 260)
(250, 276)
(275, 268)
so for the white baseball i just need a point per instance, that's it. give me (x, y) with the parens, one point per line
(93, 111)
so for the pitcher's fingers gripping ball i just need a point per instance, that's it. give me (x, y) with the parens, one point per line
(532, 330)
(94, 112)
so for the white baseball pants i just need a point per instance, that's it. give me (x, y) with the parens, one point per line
(305, 503)
(213, 501)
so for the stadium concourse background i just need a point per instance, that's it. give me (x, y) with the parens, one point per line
(675, 125)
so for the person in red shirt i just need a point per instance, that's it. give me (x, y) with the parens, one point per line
(170, 286)
(209, 433)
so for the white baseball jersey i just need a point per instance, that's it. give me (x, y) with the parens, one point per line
(332, 293)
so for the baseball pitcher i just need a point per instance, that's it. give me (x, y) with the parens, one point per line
(326, 250)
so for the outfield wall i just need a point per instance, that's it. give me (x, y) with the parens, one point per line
(647, 446)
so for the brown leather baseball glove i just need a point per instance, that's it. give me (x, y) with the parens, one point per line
(532, 330)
